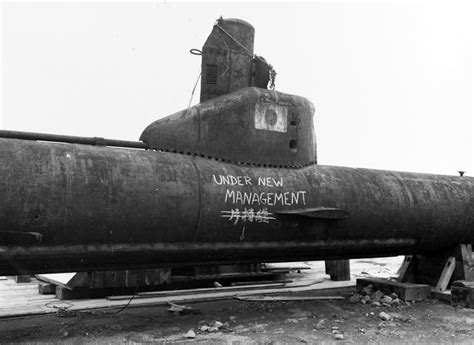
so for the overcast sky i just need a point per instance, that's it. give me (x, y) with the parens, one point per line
(392, 83)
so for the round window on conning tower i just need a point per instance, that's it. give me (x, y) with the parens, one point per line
(293, 145)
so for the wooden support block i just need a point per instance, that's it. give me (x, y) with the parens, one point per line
(164, 276)
(79, 293)
(446, 275)
(96, 280)
(46, 288)
(441, 296)
(131, 278)
(466, 261)
(404, 270)
(22, 279)
(405, 291)
(109, 279)
(462, 294)
(338, 269)
(141, 277)
(119, 278)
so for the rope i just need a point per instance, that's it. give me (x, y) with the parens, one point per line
(234, 39)
(194, 89)
(272, 73)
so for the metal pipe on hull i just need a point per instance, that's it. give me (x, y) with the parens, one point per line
(67, 207)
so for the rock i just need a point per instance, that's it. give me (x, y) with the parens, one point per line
(368, 290)
(321, 324)
(204, 328)
(355, 298)
(376, 304)
(362, 301)
(66, 334)
(386, 299)
(397, 302)
(393, 295)
(218, 324)
(339, 336)
(232, 318)
(384, 316)
(239, 328)
(182, 309)
(213, 329)
(371, 313)
(400, 317)
(377, 296)
(367, 299)
(298, 313)
(190, 334)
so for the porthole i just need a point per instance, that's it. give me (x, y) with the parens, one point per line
(293, 145)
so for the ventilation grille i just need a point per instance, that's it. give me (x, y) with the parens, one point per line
(211, 74)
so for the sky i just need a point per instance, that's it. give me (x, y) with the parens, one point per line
(392, 82)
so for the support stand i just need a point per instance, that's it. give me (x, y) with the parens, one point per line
(455, 269)
(448, 277)
(338, 269)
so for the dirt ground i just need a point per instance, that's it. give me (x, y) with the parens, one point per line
(251, 323)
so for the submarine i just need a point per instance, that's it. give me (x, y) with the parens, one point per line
(233, 179)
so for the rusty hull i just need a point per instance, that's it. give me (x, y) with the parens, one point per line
(68, 207)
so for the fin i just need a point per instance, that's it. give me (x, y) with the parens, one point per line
(20, 238)
(318, 212)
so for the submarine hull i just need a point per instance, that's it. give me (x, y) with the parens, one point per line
(69, 207)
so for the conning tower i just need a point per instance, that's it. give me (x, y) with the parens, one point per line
(238, 120)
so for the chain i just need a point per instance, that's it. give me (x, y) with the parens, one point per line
(272, 74)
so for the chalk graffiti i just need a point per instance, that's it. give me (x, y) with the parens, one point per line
(253, 199)
(247, 181)
(270, 199)
(248, 215)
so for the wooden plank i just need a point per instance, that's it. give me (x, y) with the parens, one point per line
(193, 291)
(287, 298)
(321, 288)
(261, 282)
(446, 275)
(177, 278)
(403, 272)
